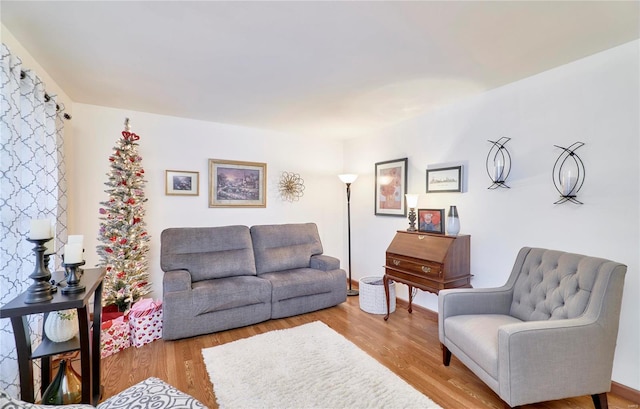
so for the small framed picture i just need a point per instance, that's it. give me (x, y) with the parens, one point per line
(444, 179)
(182, 183)
(390, 188)
(237, 184)
(431, 221)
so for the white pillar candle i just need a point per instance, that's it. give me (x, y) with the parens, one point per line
(50, 247)
(497, 173)
(73, 253)
(40, 229)
(76, 239)
(568, 183)
(51, 244)
(498, 168)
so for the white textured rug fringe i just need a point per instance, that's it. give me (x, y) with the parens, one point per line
(310, 366)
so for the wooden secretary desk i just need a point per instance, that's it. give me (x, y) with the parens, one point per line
(430, 262)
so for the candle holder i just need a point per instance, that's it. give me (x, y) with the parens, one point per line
(41, 289)
(47, 258)
(73, 274)
(498, 163)
(568, 174)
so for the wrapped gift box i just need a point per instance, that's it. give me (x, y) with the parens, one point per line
(114, 336)
(145, 321)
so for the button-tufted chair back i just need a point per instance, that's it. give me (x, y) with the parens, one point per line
(554, 285)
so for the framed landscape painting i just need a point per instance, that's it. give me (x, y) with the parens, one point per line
(182, 183)
(390, 188)
(237, 184)
(444, 179)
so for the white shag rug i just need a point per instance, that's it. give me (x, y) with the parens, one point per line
(309, 366)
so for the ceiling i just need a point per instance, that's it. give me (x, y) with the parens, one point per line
(331, 69)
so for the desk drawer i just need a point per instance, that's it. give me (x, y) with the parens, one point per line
(419, 267)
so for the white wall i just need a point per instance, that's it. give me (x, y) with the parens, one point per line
(184, 144)
(594, 100)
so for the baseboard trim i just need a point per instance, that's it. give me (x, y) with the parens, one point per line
(432, 315)
(616, 388)
(625, 392)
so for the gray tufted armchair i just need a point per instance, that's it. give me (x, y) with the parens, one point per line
(549, 333)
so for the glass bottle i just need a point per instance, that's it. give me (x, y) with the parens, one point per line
(54, 392)
(73, 391)
(66, 387)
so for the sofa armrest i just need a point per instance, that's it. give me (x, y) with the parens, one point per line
(468, 301)
(464, 301)
(176, 280)
(324, 263)
(578, 348)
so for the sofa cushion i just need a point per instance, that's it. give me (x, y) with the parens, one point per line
(208, 252)
(301, 282)
(554, 285)
(477, 336)
(227, 293)
(284, 246)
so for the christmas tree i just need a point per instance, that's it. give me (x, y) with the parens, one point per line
(123, 233)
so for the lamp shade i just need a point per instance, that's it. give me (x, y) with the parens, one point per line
(412, 200)
(348, 177)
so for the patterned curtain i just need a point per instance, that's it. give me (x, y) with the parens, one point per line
(32, 186)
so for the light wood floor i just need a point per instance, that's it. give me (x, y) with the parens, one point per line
(407, 344)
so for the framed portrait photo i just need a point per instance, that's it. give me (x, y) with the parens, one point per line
(182, 183)
(431, 221)
(237, 184)
(444, 179)
(390, 188)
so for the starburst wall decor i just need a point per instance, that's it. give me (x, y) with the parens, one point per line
(291, 186)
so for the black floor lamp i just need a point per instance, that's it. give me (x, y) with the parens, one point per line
(348, 179)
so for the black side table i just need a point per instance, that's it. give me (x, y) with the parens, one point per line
(87, 343)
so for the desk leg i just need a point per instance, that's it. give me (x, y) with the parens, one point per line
(410, 298)
(85, 354)
(385, 281)
(22, 336)
(95, 345)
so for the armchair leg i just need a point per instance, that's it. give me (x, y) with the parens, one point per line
(600, 401)
(446, 355)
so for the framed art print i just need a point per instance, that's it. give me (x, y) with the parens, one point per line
(237, 184)
(390, 188)
(431, 221)
(182, 183)
(444, 179)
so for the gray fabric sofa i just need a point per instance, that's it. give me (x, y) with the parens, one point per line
(549, 333)
(218, 278)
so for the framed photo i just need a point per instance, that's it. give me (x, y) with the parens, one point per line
(444, 179)
(431, 221)
(390, 188)
(182, 183)
(237, 184)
